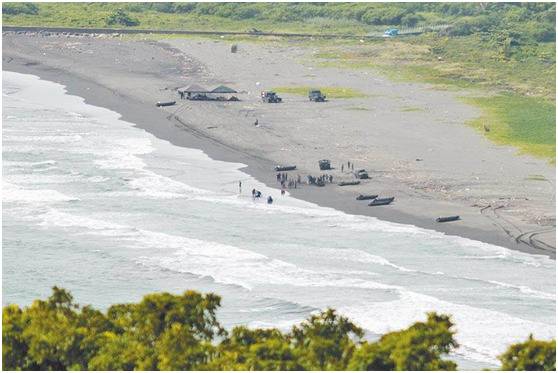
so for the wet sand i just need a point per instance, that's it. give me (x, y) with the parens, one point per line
(493, 189)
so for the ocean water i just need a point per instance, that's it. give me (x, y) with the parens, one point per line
(109, 212)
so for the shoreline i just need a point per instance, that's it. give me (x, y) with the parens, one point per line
(260, 168)
(157, 122)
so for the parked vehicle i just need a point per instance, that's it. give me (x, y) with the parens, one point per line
(324, 164)
(316, 96)
(271, 97)
(391, 33)
(361, 174)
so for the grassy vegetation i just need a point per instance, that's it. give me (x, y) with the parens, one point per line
(412, 109)
(520, 86)
(331, 92)
(358, 108)
(95, 15)
(529, 123)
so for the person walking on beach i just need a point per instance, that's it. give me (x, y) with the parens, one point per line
(240, 187)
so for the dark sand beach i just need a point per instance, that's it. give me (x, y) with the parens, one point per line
(459, 172)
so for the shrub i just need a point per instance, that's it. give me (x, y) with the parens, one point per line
(19, 8)
(120, 17)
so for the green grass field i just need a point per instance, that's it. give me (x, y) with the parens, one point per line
(528, 123)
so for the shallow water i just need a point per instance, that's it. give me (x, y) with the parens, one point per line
(104, 209)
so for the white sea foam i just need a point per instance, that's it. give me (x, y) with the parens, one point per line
(14, 193)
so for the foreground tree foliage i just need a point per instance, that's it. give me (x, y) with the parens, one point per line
(530, 355)
(170, 332)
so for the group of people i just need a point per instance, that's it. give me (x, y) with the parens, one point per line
(287, 182)
(322, 179)
(255, 193)
(258, 194)
(350, 166)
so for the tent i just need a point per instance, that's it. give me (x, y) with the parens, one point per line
(223, 89)
(193, 88)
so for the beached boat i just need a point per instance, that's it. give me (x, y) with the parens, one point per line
(363, 197)
(443, 219)
(381, 201)
(165, 103)
(343, 183)
(285, 168)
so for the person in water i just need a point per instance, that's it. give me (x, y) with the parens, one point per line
(269, 200)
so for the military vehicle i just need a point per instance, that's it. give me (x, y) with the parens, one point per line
(316, 96)
(324, 164)
(361, 174)
(270, 97)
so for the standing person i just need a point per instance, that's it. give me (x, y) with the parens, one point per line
(348, 164)
(278, 177)
(240, 187)
(254, 193)
(298, 178)
(352, 166)
(282, 191)
(256, 123)
(342, 166)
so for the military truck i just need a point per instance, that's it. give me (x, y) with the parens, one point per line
(324, 164)
(270, 97)
(361, 174)
(316, 95)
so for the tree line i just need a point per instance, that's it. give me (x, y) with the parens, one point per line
(181, 332)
